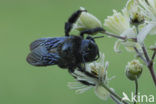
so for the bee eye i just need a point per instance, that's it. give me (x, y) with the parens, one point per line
(90, 47)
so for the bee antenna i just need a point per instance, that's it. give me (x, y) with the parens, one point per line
(98, 37)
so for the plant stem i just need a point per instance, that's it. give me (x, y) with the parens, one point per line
(153, 56)
(145, 53)
(114, 35)
(115, 100)
(136, 90)
(151, 69)
(137, 28)
(114, 94)
(139, 54)
(150, 63)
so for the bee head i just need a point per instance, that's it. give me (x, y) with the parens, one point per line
(89, 49)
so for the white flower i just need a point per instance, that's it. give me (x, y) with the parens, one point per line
(135, 14)
(149, 10)
(87, 21)
(98, 70)
(119, 23)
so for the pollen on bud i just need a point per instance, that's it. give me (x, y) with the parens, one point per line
(134, 69)
(87, 21)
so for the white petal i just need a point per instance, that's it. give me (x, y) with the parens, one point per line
(129, 44)
(117, 46)
(106, 65)
(153, 31)
(148, 8)
(104, 73)
(118, 22)
(82, 8)
(78, 87)
(75, 85)
(130, 33)
(144, 32)
(102, 93)
(87, 21)
(80, 91)
(102, 59)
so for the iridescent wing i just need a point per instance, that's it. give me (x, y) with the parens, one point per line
(44, 51)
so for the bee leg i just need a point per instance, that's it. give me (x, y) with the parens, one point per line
(97, 56)
(92, 31)
(71, 70)
(72, 19)
(83, 69)
(74, 75)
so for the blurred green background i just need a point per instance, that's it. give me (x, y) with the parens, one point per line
(22, 21)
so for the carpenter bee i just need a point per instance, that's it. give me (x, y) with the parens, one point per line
(68, 52)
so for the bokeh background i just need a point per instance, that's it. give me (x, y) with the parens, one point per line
(22, 21)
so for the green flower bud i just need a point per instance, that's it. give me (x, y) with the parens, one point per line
(87, 21)
(134, 69)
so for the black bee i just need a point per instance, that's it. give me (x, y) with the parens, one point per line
(67, 52)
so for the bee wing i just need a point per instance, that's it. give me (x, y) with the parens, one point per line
(36, 43)
(40, 52)
(36, 57)
(48, 42)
